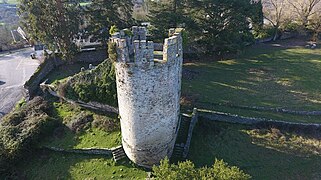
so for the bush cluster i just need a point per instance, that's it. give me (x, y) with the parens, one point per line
(186, 170)
(21, 129)
(97, 85)
(80, 122)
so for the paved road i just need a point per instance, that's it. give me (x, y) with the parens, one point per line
(15, 69)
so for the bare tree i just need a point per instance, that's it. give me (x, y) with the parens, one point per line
(276, 13)
(305, 9)
(315, 25)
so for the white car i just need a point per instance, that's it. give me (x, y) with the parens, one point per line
(39, 52)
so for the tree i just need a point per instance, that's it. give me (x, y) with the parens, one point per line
(102, 14)
(5, 36)
(277, 13)
(169, 14)
(315, 25)
(305, 9)
(215, 26)
(54, 23)
(186, 170)
(225, 24)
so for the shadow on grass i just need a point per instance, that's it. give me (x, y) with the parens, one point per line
(67, 70)
(53, 165)
(229, 142)
(263, 76)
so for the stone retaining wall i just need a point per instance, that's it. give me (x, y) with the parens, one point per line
(43, 70)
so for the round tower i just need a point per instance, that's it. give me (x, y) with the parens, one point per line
(148, 95)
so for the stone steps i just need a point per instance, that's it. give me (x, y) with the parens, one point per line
(183, 130)
(181, 139)
(118, 154)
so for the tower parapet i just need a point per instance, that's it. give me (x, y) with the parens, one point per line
(148, 95)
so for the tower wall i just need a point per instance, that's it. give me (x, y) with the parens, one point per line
(148, 99)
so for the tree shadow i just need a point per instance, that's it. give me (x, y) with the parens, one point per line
(229, 142)
(46, 164)
(281, 77)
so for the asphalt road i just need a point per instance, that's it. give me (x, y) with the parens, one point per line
(15, 69)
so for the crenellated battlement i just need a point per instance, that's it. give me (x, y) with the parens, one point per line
(134, 48)
(143, 51)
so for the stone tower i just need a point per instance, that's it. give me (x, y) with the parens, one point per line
(148, 92)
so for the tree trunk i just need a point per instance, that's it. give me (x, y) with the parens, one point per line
(275, 37)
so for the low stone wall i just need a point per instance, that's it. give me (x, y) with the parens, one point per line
(89, 151)
(277, 110)
(261, 122)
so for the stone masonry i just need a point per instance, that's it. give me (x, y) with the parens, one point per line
(148, 94)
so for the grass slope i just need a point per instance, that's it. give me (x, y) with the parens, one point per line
(265, 75)
(51, 165)
(238, 147)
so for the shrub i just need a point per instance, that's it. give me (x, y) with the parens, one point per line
(80, 122)
(113, 29)
(97, 85)
(186, 170)
(108, 124)
(21, 129)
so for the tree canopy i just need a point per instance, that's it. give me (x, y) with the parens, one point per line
(52, 22)
(217, 26)
(102, 14)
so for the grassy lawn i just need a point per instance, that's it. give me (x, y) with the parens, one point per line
(91, 137)
(263, 75)
(65, 71)
(264, 154)
(49, 165)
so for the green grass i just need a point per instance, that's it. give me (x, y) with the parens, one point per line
(49, 165)
(261, 76)
(65, 71)
(91, 138)
(236, 145)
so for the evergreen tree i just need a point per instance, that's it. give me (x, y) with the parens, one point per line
(215, 26)
(225, 24)
(168, 14)
(103, 14)
(52, 22)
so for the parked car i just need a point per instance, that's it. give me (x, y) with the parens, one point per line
(39, 51)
